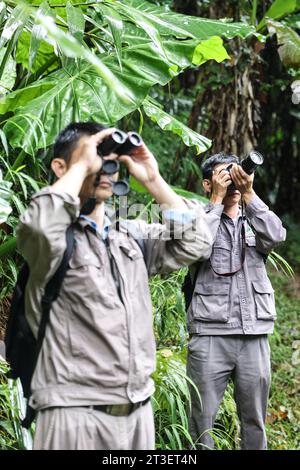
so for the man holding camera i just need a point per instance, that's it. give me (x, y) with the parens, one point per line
(92, 382)
(232, 309)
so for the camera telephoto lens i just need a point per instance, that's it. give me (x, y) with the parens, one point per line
(252, 161)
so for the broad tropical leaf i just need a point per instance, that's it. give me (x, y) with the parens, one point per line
(169, 123)
(184, 26)
(289, 41)
(152, 45)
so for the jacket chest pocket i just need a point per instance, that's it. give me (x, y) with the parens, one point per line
(264, 300)
(133, 264)
(85, 267)
(211, 302)
(222, 253)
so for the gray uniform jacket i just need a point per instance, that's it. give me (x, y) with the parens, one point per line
(99, 345)
(242, 303)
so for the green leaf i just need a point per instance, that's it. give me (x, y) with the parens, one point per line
(116, 26)
(136, 186)
(8, 246)
(9, 74)
(5, 197)
(37, 35)
(289, 40)
(141, 19)
(76, 91)
(277, 10)
(43, 54)
(281, 264)
(293, 21)
(211, 49)
(4, 141)
(16, 20)
(76, 21)
(72, 48)
(184, 26)
(168, 122)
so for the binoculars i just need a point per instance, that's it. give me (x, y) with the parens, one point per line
(120, 143)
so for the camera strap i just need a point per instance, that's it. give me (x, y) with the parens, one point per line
(243, 236)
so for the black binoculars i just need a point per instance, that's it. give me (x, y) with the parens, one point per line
(122, 144)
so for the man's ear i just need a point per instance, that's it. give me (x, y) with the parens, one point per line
(206, 186)
(59, 167)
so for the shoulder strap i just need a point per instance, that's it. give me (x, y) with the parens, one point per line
(53, 286)
(52, 290)
(189, 285)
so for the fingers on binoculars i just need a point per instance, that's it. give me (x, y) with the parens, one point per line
(100, 136)
(111, 156)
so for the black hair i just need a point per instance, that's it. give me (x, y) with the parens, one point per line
(67, 139)
(216, 159)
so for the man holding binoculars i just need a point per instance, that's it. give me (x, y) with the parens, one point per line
(232, 309)
(92, 383)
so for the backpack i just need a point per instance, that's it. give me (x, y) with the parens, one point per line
(22, 348)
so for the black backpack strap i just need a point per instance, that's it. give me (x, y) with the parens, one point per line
(53, 286)
(51, 293)
(189, 285)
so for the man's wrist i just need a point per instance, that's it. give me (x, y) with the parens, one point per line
(153, 185)
(164, 194)
(216, 199)
(248, 196)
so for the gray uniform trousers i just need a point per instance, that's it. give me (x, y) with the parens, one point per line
(79, 428)
(212, 361)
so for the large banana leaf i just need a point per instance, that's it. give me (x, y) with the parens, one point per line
(152, 47)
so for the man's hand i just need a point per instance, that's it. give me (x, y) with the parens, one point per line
(142, 165)
(221, 179)
(84, 163)
(86, 154)
(243, 182)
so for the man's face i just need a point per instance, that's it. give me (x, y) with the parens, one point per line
(233, 196)
(103, 190)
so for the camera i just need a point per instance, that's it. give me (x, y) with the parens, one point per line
(249, 164)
